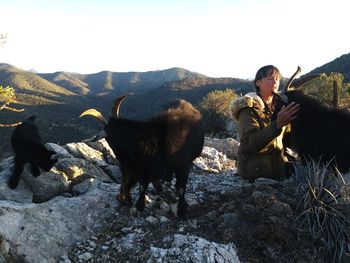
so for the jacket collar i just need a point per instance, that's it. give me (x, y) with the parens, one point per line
(250, 100)
(257, 98)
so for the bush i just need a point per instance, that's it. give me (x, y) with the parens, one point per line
(215, 110)
(6, 94)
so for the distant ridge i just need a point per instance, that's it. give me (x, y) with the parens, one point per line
(70, 81)
(8, 67)
(340, 65)
(25, 82)
(193, 89)
(117, 82)
(58, 98)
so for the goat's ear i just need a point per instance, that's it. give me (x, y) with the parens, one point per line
(99, 136)
(116, 105)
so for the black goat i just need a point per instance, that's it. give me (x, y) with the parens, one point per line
(27, 147)
(155, 149)
(319, 132)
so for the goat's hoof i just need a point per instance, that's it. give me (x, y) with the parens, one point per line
(124, 200)
(182, 211)
(140, 206)
(13, 184)
(158, 188)
(181, 214)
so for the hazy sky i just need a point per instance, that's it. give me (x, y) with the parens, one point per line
(218, 38)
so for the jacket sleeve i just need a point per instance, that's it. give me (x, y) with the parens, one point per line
(253, 138)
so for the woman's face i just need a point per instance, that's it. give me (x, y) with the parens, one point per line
(269, 84)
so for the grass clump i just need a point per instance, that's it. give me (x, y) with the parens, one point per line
(323, 210)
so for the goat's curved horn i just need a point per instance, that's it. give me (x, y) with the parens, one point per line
(116, 105)
(297, 83)
(96, 114)
(286, 87)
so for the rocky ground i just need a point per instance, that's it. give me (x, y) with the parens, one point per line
(229, 220)
(257, 219)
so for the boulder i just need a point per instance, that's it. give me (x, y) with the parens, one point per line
(43, 232)
(189, 248)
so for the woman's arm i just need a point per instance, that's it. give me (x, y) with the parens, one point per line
(253, 137)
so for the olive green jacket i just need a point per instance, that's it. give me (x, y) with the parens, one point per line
(261, 152)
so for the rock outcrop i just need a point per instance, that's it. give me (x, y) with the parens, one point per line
(59, 215)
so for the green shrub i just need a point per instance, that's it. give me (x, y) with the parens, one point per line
(215, 110)
(6, 94)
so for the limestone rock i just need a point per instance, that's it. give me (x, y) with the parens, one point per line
(189, 248)
(44, 232)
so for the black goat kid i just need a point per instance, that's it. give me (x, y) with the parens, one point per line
(27, 147)
(155, 149)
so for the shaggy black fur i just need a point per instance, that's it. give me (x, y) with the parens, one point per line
(27, 147)
(153, 150)
(319, 131)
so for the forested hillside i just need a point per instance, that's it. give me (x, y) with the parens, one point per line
(340, 65)
(58, 98)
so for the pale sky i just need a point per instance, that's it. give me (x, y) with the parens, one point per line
(218, 38)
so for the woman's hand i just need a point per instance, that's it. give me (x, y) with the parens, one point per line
(286, 114)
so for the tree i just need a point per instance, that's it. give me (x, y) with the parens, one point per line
(7, 95)
(215, 109)
(323, 89)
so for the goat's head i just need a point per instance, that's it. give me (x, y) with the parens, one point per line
(295, 83)
(46, 159)
(96, 114)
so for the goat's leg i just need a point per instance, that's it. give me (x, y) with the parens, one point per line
(35, 170)
(181, 182)
(17, 170)
(157, 185)
(140, 204)
(124, 196)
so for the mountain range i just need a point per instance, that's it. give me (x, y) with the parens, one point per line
(58, 98)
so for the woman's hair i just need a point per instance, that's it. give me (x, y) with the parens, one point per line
(264, 72)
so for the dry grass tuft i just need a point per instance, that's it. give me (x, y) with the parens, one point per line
(323, 208)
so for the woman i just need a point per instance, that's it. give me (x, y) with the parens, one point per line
(261, 152)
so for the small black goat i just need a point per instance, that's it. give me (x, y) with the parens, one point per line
(319, 132)
(27, 147)
(155, 149)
